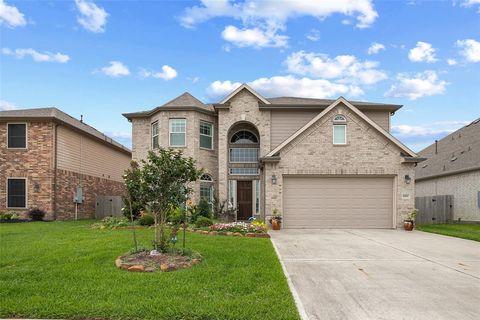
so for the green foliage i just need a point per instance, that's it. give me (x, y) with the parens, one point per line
(111, 223)
(260, 223)
(204, 209)
(133, 183)
(9, 215)
(203, 222)
(146, 220)
(459, 230)
(412, 215)
(36, 214)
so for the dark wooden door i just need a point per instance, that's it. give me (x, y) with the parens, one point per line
(244, 199)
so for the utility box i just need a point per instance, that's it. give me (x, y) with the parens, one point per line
(78, 195)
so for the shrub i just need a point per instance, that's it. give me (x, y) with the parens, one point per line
(136, 208)
(111, 223)
(8, 215)
(36, 214)
(146, 220)
(260, 224)
(203, 222)
(204, 209)
(241, 227)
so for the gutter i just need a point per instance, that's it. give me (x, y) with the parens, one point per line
(446, 174)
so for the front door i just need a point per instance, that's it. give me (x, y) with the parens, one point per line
(244, 199)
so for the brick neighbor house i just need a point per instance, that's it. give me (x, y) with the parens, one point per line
(321, 163)
(48, 159)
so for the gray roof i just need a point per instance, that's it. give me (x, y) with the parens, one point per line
(184, 101)
(55, 114)
(457, 152)
(325, 102)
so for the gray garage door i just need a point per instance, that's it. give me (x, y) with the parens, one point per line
(337, 202)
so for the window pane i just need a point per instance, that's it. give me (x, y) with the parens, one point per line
(205, 142)
(243, 155)
(16, 193)
(177, 139)
(244, 171)
(206, 128)
(206, 191)
(339, 135)
(177, 125)
(155, 142)
(17, 135)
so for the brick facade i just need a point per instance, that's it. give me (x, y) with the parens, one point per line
(48, 188)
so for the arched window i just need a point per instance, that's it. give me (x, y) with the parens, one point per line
(206, 187)
(339, 118)
(244, 136)
(206, 177)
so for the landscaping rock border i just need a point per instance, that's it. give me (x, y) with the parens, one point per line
(164, 267)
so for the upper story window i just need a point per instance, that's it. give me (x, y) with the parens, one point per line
(339, 118)
(206, 135)
(17, 192)
(244, 155)
(244, 136)
(339, 134)
(154, 130)
(178, 132)
(17, 135)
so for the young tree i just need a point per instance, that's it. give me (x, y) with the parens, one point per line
(133, 184)
(166, 175)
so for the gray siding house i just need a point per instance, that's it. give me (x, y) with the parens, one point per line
(321, 163)
(453, 168)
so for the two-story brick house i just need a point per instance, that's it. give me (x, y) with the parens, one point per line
(52, 161)
(321, 163)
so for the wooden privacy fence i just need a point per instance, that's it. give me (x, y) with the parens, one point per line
(436, 209)
(106, 206)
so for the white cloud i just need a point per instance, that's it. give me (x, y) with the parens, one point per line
(451, 62)
(5, 105)
(422, 52)
(470, 49)
(92, 17)
(313, 35)
(419, 85)
(471, 3)
(264, 19)
(345, 68)
(116, 69)
(11, 16)
(254, 37)
(375, 48)
(167, 73)
(288, 86)
(37, 56)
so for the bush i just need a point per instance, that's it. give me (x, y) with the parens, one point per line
(8, 215)
(146, 220)
(136, 208)
(36, 214)
(111, 223)
(204, 209)
(241, 227)
(203, 222)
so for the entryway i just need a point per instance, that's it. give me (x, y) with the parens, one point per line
(244, 199)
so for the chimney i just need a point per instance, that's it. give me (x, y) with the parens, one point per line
(81, 118)
(436, 146)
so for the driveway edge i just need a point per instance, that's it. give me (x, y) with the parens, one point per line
(296, 297)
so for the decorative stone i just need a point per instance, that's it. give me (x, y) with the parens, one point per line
(262, 235)
(196, 261)
(204, 232)
(118, 262)
(154, 253)
(149, 269)
(237, 234)
(250, 235)
(213, 233)
(166, 267)
(137, 267)
(228, 233)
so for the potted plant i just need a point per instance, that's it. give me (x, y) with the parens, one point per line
(409, 223)
(276, 220)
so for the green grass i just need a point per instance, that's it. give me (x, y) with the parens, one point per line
(465, 231)
(66, 270)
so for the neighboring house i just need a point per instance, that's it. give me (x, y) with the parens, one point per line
(321, 163)
(48, 158)
(453, 168)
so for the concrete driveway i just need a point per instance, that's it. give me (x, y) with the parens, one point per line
(380, 274)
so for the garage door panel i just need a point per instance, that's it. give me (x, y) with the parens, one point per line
(343, 202)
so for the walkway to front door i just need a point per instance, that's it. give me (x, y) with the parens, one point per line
(244, 199)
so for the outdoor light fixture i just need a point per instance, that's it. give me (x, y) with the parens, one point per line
(408, 179)
(274, 179)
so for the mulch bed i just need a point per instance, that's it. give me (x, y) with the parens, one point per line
(165, 262)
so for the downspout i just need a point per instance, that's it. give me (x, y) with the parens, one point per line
(55, 152)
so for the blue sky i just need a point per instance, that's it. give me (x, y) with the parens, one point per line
(102, 58)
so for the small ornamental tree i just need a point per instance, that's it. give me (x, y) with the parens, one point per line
(165, 178)
(133, 185)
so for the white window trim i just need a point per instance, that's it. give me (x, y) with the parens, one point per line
(170, 133)
(333, 134)
(213, 140)
(243, 174)
(232, 191)
(230, 150)
(158, 133)
(26, 135)
(26, 192)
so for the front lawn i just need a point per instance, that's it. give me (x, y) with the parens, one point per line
(66, 270)
(465, 231)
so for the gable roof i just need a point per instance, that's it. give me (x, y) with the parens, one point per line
(54, 114)
(246, 87)
(184, 102)
(313, 103)
(457, 152)
(357, 112)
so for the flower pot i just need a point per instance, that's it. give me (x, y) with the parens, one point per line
(276, 224)
(408, 225)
